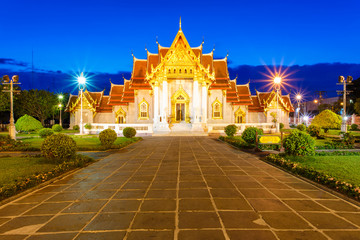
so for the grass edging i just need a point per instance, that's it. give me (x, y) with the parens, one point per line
(329, 181)
(21, 185)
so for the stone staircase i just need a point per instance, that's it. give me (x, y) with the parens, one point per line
(181, 129)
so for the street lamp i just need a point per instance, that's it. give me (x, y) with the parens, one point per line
(277, 84)
(6, 81)
(344, 82)
(60, 97)
(82, 81)
(298, 99)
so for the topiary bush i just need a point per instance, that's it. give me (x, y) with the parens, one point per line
(327, 119)
(87, 126)
(301, 127)
(314, 130)
(281, 125)
(299, 143)
(27, 123)
(230, 130)
(129, 132)
(57, 128)
(348, 139)
(45, 132)
(59, 147)
(354, 127)
(107, 137)
(76, 127)
(249, 134)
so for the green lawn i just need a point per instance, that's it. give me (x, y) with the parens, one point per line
(344, 168)
(86, 142)
(12, 168)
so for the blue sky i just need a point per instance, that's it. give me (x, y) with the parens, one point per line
(99, 36)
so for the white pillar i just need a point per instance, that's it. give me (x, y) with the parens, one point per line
(156, 104)
(164, 101)
(204, 103)
(196, 101)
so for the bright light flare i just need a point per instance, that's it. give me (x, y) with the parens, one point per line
(316, 101)
(60, 97)
(60, 105)
(81, 79)
(298, 97)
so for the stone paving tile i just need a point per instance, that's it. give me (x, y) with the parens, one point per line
(179, 188)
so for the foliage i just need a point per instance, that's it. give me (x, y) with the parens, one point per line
(324, 106)
(57, 128)
(8, 190)
(231, 130)
(129, 132)
(7, 143)
(301, 127)
(45, 132)
(357, 106)
(282, 125)
(237, 142)
(299, 143)
(274, 116)
(320, 177)
(87, 126)
(354, 127)
(348, 139)
(327, 119)
(314, 130)
(27, 124)
(249, 134)
(58, 147)
(76, 127)
(107, 137)
(292, 126)
(337, 153)
(38, 103)
(335, 144)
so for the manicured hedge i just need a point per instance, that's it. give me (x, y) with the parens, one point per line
(230, 130)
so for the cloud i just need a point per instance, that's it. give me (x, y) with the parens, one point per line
(10, 61)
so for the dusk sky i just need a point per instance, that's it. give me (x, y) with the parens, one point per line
(99, 36)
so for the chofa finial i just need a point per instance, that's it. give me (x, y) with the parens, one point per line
(180, 24)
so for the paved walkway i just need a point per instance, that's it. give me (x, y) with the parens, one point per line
(180, 188)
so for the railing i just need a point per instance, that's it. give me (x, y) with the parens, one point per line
(96, 128)
(219, 127)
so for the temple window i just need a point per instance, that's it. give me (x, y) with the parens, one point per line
(239, 116)
(169, 70)
(174, 70)
(185, 71)
(143, 110)
(217, 109)
(190, 70)
(180, 70)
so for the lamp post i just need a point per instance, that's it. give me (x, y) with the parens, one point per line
(277, 82)
(6, 81)
(82, 81)
(298, 99)
(60, 97)
(344, 82)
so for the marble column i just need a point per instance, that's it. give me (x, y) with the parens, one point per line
(156, 103)
(196, 101)
(204, 103)
(164, 101)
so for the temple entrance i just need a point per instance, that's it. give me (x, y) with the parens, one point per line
(180, 107)
(180, 112)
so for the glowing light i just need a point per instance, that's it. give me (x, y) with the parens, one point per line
(306, 118)
(316, 101)
(277, 80)
(346, 118)
(81, 79)
(341, 103)
(298, 97)
(60, 105)
(60, 97)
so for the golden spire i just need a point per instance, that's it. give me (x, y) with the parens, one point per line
(180, 24)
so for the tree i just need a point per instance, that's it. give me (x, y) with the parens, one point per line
(323, 107)
(327, 119)
(37, 103)
(357, 106)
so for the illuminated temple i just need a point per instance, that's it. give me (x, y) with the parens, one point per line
(180, 88)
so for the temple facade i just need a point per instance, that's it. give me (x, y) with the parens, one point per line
(180, 88)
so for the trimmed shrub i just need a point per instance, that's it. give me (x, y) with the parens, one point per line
(57, 128)
(354, 127)
(45, 132)
(230, 130)
(76, 127)
(299, 143)
(87, 126)
(327, 119)
(301, 127)
(27, 123)
(59, 147)
(348, 139)
(249, 134)
(129, 132)
(292, 126)
(281, 125)
(314, 130)
(107, 137)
